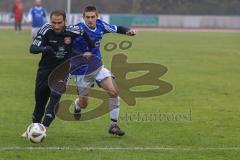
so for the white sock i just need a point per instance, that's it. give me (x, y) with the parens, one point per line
(114, 114)
(114, 109)
(77, 104)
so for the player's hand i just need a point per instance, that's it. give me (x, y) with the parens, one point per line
(48, 50)
(87, 55)
(131, 32)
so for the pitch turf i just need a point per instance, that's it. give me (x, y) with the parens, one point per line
(203, 69)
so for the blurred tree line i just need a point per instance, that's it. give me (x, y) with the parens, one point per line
(199, 7)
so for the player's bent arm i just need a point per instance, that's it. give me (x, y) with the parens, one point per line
(36, 49)
(79, 31)
(38, 44)
(41, 49)
(91, 43)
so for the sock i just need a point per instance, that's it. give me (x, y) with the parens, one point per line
(114, 110)
(48, 118)
(77, 104)
(113, 123)
(51, 109)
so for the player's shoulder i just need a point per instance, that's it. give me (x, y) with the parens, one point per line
(75, 29)
(43, 9)
(34, 8)
(45, 28)
(105, 26)
(31, 9)
(100, 22)
(81, 25)
(72, 28)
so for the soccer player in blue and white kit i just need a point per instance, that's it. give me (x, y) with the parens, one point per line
(96, 28)
(37, 15)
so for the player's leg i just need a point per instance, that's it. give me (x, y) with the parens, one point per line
(20, 26)
(15, 26)
(51, 109)
(42, 93)
(110, 86)
(82, 101)
(83, 83)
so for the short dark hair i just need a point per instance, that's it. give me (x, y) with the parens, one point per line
(90, 9)
(58, 13)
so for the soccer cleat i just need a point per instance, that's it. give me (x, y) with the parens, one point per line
(24, 135)
(115, 130)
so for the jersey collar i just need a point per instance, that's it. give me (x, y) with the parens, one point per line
(93, 30)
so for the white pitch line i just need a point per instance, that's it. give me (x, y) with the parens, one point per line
(17, 148)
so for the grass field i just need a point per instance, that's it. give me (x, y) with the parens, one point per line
(203, 69)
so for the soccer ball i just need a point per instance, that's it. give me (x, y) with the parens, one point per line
(36, 132)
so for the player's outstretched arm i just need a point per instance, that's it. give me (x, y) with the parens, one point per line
(125, 30)
(131, 32)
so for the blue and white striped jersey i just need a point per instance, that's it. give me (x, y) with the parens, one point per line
(80, 45)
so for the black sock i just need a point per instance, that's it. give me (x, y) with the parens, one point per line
(51, 109)
(47, 120)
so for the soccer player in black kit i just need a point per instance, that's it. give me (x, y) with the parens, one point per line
(54, 41)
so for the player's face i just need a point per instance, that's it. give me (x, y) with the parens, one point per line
(90, 19)
(38, 3)
(58, 23)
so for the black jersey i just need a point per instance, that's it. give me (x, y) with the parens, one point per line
(61, 43)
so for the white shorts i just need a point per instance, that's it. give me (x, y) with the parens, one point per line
(84, 82)
(34, 32)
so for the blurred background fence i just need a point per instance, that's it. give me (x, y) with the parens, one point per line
(145, 13)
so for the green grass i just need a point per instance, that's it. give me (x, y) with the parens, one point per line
(203, 68)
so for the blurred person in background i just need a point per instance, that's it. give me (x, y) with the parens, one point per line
(17, 14)
(37, 15)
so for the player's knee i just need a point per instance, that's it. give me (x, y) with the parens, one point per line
(113, 93)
